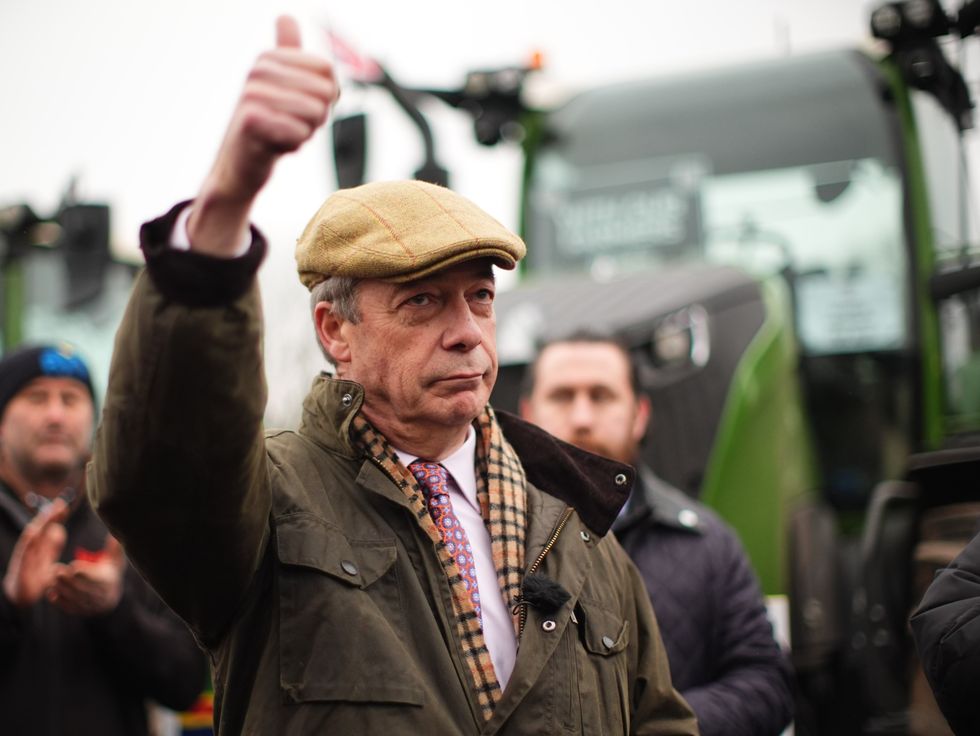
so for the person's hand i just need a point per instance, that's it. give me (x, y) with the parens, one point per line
(286, 98)
(90, 587)
(34, 560)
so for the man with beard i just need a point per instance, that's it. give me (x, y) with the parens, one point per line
(584, 389)
(84, 642)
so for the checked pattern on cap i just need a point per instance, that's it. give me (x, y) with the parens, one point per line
(434, 480)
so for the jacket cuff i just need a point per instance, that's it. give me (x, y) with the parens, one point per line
(194, 279)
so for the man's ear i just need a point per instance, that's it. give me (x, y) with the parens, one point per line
(329, 333)
(642, 418)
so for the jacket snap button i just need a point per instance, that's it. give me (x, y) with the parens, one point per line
(607, 642)
(346, 399)
(585, 536)
(688, 518)
(349, 567)
(548, 625)
(621, 479)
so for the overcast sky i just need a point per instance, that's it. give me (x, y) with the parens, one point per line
(132, 97)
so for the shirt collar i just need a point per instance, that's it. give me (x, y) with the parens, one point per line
(460, 464)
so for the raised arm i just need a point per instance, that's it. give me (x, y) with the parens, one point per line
(286, 98)
(179, 470)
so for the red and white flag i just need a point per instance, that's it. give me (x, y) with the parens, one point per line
(360, 68)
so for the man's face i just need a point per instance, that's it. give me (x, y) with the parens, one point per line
(582, 394)
(46, 429)
(424, 351)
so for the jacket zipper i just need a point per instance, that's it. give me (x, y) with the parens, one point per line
(566, 515)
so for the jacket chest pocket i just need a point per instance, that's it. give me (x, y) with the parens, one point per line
(602, 668)
(342, 627)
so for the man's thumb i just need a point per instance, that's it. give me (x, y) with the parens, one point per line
(287, 33)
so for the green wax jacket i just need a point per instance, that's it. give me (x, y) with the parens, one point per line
(298, 565)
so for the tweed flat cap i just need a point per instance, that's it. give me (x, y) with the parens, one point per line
(399, 231)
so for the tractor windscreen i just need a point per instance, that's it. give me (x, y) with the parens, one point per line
(790, 169)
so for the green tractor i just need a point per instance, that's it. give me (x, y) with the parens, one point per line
(785, 246)
(59, 279)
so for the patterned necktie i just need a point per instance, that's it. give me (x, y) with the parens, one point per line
(434, 480)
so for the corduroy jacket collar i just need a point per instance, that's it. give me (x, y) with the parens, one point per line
(594, 486)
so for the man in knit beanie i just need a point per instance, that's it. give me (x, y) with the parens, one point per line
(47, 408)
(83, 640)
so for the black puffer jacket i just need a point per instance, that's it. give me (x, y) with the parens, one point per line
(723, 657)
(946, 629)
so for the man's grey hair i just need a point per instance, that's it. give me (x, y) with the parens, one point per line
(341, 292)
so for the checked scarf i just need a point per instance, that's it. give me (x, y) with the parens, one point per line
(501, 493)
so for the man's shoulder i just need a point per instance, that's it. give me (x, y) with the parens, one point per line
(300, 469)
(284, 445)
(675, 509)
(671, 507)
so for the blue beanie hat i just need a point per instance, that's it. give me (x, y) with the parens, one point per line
(22, 366)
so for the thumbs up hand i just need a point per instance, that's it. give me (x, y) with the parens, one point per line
(286, 98)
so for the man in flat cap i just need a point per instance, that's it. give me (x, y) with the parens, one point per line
(84, 642)
(406, 562)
